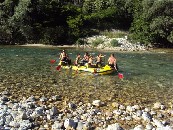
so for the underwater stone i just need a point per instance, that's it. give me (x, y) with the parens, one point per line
(115, 105)
(5, 93)
(43, 99)
(121, 107)
(147, 109)
(157, 105)
(31, 99)
(96, 103)
(136, 107)
(56, 98)
(162, 107)
(130, 109)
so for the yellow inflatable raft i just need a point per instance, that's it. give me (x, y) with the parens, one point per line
(100, 71)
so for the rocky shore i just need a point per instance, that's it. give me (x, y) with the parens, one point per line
(45, 113)
(118, 44)
(123, 44)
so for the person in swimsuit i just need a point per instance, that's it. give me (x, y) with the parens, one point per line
(99, 60)
(85, 58)
(62, 56)
(77, 61)
(112, 61)
(90, 62)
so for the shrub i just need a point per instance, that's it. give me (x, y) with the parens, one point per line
(114, 34)
(80, 41)
(114, 42)
(97, 41)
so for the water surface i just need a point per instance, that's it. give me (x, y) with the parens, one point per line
(148, 76)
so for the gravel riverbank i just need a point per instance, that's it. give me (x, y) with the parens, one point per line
(104, 43)
(45, 113)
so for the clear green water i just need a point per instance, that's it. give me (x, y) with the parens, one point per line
(148, 76)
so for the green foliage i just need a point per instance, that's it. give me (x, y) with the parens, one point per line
(57, 22)
(75, 24)
(80, 41)
(170, 37)
(114, 34)
(51, 35)
(114, 43)
(154, 22)
(97, 41)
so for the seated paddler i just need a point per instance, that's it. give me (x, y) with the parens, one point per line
(85, 58)
(99, 60)
(64, 58)
(77, 60)
(90, 62)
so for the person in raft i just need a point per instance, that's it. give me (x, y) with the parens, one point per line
(77, 60)
(99, 60)
(85, 58)
(112, 61)
(64, 58)
(68, 60)
(90, 62)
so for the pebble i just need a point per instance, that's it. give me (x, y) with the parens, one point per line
(27, 113)
(96, 103)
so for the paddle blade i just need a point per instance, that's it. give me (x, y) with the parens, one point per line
(52, 61)
(120, 75)
(58, 67)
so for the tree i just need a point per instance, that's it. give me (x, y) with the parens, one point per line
(153, 22)
(6, 11)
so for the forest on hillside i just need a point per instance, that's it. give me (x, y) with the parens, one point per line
(57, 22)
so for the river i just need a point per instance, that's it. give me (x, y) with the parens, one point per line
(148, 76)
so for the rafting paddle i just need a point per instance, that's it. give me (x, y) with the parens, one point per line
(120, 75)
(52, 61)
(58, 67)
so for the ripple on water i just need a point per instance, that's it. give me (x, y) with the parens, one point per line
(144, 82)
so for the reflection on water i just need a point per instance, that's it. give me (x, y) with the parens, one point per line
(148, 76)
